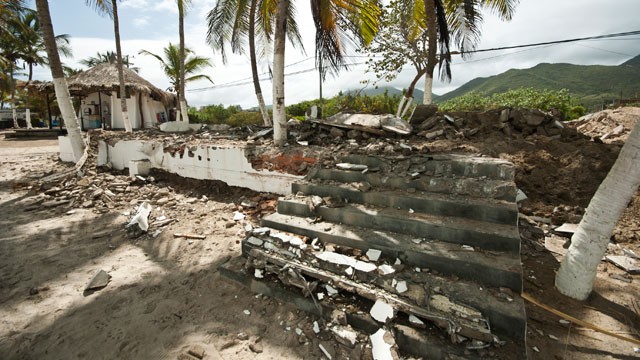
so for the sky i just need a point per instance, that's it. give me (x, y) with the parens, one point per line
(153, 24)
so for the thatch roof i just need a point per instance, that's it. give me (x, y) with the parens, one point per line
(104, 77)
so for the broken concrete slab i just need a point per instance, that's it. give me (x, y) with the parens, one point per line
(567, 229)
(626, 263)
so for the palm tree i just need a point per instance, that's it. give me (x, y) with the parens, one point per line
(60, 85)
(460, 19)
(231, 21)
(339, 25)
(182, 7)
(589, 242)
(171, 66)
(110, 8)
(109, 57)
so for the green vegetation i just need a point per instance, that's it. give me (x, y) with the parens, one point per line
(528, 98)
(218, 114)
(350, 102)
(591, 85)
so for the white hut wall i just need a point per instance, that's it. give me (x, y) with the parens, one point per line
(132, 109)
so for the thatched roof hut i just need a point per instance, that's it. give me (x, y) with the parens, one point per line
(104, 77)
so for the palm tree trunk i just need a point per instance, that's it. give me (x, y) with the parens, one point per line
(588, 244)
(279, 112)
(183, 100)
(432, 38)
(407, 99)
(123, 91)
(59, 83)
(12, 84)
(254, 65)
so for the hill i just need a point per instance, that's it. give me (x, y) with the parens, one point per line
(591, 84)
(417, 93)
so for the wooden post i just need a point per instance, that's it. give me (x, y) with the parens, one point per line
(100, 109)
(49, 111)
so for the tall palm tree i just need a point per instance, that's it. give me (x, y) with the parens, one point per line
(589, 242)
(233, 21)
(340, 25)
(171, 66)
(110, 8)
(457, 19)
(60, 85)
(182, 7)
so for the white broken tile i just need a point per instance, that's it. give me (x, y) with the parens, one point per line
(345, 333)
(553, 337)
(320, 296)
(331, 291)
(567, 228)
(341, 259)
(401, 286)
(298, 331)
(398, 262)
(316, 327)
(355, 167)
(415, 320)
(349, 271)
(411, 211)
(381, 311)
(467, 248)
(258, 273)
(247, 312)
(379, 348)
(373, 254)
(520, 196)
(386, 269)
(238, 216)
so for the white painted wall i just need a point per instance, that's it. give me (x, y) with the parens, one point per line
(228, 164)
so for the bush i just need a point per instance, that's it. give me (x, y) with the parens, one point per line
(244, 118)
(528, 98)
(349, 102)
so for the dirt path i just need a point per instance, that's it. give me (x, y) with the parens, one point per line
(165, 294)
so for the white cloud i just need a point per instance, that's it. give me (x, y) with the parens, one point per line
(141, 22)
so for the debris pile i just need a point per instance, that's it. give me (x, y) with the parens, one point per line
(402, 246)
(608, 126)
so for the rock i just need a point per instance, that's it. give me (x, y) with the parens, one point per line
(429, 123)
(197, 351)
(345, 335)
(354, 134)
(433, 134)
(99, 281)
(256, 347)
(335, 132)
(422, 112)
(504, 115)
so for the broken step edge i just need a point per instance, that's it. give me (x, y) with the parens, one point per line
(436, 204)
(461, 326)
(507, 316)
(410, 341)
(492, 269)
(443, 164)
(483, 235)
(461, 186)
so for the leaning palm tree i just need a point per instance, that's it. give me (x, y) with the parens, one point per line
(340, 25)
(59, 83)
(171, 67)
(233, 21)
(589, 243)
(110, 8)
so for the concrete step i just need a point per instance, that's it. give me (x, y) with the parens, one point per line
(493, 269)
(439, 165)
(463, 186)
(503, 309)
(474, 233)
(426, 343)
(488, 210)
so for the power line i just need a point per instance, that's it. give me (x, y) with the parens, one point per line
(607, 36)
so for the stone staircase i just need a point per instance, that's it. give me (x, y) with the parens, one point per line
(445, 227)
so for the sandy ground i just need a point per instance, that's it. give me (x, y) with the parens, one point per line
(166, 295)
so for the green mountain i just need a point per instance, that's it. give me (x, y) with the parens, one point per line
(593, 85)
